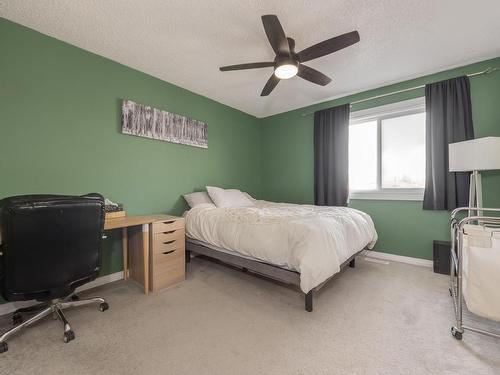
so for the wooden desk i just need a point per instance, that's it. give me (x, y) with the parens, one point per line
(137, 239)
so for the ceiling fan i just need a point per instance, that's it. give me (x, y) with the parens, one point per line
(289, 63)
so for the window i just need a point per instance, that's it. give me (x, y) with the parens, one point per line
(387, 152)
(363, 156)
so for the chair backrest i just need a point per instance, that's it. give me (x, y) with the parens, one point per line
(50, 244)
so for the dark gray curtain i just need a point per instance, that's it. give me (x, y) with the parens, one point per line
(331, 138)
(449, 120)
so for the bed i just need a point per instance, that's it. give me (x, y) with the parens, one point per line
(304, 245)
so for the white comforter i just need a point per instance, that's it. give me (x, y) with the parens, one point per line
(312, 240)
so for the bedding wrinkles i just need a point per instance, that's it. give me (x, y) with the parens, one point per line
(313, 240)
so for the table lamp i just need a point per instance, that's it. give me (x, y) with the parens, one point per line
(476, 155)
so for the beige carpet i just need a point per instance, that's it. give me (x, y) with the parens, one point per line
(375, 319)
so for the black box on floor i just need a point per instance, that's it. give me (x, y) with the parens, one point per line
(441, 256)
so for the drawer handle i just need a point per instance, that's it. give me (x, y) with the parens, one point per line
(169, 222)
(169, 232)
(168, 242)
(168, 252)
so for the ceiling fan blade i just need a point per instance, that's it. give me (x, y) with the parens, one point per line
(270, 85)
(276, 35)
(246, 66)
(329, 46)
(312, 75)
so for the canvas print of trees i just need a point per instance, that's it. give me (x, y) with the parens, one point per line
(145, 121)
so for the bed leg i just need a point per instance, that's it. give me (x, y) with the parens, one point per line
(188, 256)
(309, 301)
(352, 263)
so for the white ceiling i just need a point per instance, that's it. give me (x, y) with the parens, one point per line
(185, 41)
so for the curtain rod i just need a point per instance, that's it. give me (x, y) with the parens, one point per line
(486, 71)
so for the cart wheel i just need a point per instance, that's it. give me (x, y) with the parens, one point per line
(68, 336)
(3, 347)
(103, 306)
(456, 333)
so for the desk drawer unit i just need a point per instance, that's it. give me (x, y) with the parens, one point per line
(167, 255)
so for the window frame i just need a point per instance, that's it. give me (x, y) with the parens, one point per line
(378, 114)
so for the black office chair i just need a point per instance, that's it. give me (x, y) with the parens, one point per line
(50, 245)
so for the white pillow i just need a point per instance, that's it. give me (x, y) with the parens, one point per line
(252, 199)
(194, 199)
(228, 197)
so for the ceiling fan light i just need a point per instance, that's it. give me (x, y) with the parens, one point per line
(286, 71)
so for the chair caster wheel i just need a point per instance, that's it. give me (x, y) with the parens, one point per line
(17, 319)
(456, 333)
(103, 306)
(68, 336)
(3, 347)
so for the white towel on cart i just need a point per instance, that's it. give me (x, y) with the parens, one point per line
(481, 270)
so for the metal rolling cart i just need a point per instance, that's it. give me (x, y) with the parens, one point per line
(457, 265)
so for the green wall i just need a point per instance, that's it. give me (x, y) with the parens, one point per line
(60, 132)
(403, 227)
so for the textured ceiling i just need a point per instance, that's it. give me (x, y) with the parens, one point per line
(185, 41)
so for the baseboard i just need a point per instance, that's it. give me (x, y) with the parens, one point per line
(10, 307)
(398, 258)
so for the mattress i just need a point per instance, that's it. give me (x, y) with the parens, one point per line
(311, 240)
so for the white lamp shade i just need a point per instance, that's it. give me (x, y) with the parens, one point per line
(479, 154)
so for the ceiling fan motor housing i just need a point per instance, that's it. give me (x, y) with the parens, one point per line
(279, 61)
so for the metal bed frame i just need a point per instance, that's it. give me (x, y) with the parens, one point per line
(262, 268)
(456, 269)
